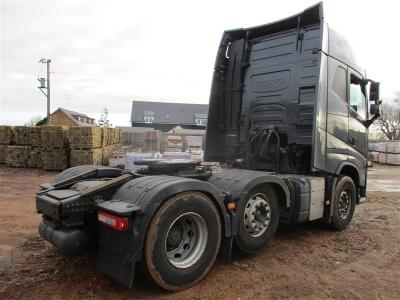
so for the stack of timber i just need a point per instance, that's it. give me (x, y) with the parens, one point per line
(57, 147)
(112, 138)
(6, 135)
(54, 147)
(3, 154)
(85, 137)
(86, 146)
(21, 135)
(86, 157)
(108, 152)
(20, 146)
(16, 156)
(35, 136)
(54, 136)
(6, 138)
(34, 158)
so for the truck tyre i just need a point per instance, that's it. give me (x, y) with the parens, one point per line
(344, 203)
(258, 219)
(182, 241)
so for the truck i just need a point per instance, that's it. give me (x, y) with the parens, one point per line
(288, 120)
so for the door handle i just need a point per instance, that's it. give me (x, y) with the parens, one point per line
(352, 141)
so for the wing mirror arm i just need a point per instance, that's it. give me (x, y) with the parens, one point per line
(376, 113)
(368, 123)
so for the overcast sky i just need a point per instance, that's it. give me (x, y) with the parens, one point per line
(108, 53)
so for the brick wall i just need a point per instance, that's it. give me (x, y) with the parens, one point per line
(59, 118)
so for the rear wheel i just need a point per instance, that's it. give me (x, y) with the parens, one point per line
(344, 203)
(259, 218)
(182, 241)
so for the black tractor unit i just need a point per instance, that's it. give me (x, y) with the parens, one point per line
(288, 120)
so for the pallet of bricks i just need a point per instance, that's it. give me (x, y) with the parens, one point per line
(111, 142)
(55, 150)
(171, 143)
(20, 146)
(133, 139)
(152, 141)
(86, 146)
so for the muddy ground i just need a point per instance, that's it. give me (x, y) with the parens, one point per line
(305, 261)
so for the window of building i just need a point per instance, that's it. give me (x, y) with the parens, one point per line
(339, 83)
(148, 116)
(357, 97)
(201, 122)
(148, 119)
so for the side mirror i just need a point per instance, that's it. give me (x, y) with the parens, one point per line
(374, 109)
(374, 91)
(355, 107)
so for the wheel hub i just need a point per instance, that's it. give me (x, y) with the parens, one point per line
(257, 215)
(344, 204)
(186, 240)
(175, 236)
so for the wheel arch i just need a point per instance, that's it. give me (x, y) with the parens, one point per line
(150, 192)
(237, 184)
(350, 170)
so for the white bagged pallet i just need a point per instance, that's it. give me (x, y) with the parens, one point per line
(393, 147)
(393, 159)
(376, 156)
(381, 147)
(382, 158)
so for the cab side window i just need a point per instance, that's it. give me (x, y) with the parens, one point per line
(357, 97)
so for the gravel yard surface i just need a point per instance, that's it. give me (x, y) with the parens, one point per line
(307, 261)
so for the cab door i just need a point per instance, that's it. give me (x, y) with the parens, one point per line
(358, 133)
(337, 118)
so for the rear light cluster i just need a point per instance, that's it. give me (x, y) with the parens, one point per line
(116, 222)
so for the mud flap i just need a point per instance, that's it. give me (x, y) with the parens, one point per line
(116, 266)
(226, 249)
(330, 184)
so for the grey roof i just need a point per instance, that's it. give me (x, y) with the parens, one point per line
(135, 129)
(73, 114)
(168, 113)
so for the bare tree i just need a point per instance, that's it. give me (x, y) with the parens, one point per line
(104, 121)
(34, 121)
(389, 121)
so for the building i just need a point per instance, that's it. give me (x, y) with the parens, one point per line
(166, 116)
(70, 118)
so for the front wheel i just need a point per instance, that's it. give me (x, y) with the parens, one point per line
(182, 241)
(344, 203)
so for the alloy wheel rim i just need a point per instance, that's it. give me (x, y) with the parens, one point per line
(257, 215)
